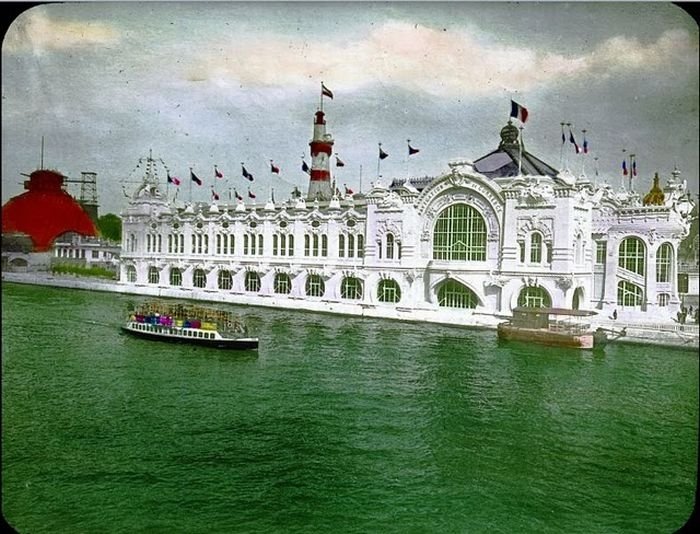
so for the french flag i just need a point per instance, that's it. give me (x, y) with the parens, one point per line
(519, 112)
(173, 180)
(214, 194)
(573, 142)
(624, 167)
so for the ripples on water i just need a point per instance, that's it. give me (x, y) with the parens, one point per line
(337, 424)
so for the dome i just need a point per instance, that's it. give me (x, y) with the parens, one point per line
(45, 211)
(509, 134)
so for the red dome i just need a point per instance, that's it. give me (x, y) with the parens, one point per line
(45, 211)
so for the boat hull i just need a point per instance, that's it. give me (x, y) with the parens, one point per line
(247, 343)
(546, 337)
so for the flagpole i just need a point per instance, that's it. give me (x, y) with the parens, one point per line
(520, 153)
(379, 160)
(360, 191)
(561, 150)
(583, 159)
(568, 124)
(408, 157)
(595, 176)
(321, 95)
(190, 185)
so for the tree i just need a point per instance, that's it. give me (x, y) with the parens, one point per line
(110, 227)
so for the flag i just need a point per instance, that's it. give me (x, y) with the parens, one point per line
(348, 191)
(246, 174)
(214, 194)
(585, 145)
(518, 111)
(250, 194)
(326, 92)
(412, 150)
(238, 197)
(195, 178)
(274, 168)
(305, 167)
(382, 154)
(563, 137)
(624, 167)
(573, 142)
(338, 162)
(218, 173)
(173, 180)
(634, 167)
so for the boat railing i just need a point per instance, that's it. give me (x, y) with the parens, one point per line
(568, 328)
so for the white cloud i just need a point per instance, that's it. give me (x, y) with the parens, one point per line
(416, 57)
(35, 32)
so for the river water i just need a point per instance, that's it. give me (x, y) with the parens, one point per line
(336, 424)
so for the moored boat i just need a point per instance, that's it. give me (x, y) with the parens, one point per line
(552, 326)
(194, 325)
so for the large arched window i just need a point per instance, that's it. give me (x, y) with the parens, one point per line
(225, 280)
(175, 277)
(452, 294)
(664, 258)
(629, 294)
(130, 273)
(534, 297)
(315, 287)
(631, 255)
(153, 275)
(351, 288)
(536, 247)
(388, 290)
(283, 284)
(199, 278)
(460, 234)
(252, 281)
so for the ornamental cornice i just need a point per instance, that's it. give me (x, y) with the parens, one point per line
(469, 197)
(387, 226)
(489, 191)
(534, 223)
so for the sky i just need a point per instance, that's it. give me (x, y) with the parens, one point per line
(201, 84)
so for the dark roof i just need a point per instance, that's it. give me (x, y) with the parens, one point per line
(503, 162)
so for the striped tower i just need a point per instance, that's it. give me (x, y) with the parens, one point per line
(321, 150)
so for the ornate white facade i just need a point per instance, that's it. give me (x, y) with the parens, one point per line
(463, 248)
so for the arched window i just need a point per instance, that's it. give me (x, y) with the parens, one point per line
(629, 294)
(153, 275)
(631, 255)
(388, 291)
(307, 245)
(460, 234)
(130, 273)
(536, 248)
(351, 288)
(252, 281)
(452, 294)
(225, 280)
(199, 278)
(260, 245)
(663, 299)
(351, 246)
(578, 249)
(283, 284)
(290, 245)
(534, 297)
(341, 246)
(389, 246)
(664, 258)
(175, 277)
(315, 287)
(360, 246)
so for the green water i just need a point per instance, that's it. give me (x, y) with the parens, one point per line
(336, 424)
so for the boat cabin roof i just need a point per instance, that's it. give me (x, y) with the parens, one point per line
(554, 311)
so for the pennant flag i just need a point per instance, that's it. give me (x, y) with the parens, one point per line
(238, 197)
(382, 154)
(338, 162)
(563, 137)
(634, 167)
(519, 112)
(274, 168)
(412, 150)
(326, 92)
(573, 142)
(195, 178)
(173, 180)
(624, 167)
(246, 174)
(348, 191)
(218, 173)
(250, 194)
(305, 167)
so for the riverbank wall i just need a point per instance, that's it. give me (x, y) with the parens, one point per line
(667, 334)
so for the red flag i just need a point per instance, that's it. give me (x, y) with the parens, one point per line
(214, 194)
(238, 197)
(218, 173)
(624, 167)
(274, 168)
(348, 191)
(250, 194)
(173, 180)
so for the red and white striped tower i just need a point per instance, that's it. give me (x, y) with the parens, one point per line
(321, 150)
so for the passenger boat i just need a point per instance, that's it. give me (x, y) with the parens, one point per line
(189, 324)
(559, 327)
